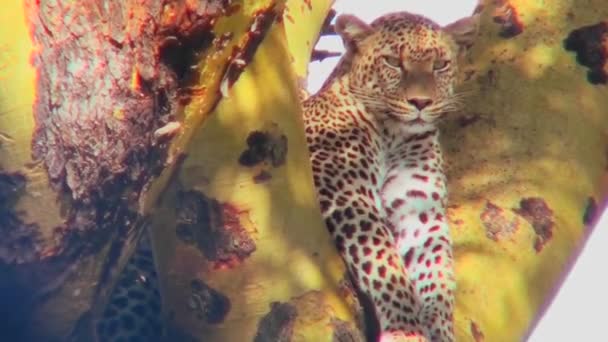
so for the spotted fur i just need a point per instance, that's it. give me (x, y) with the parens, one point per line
(134, 311)
(377, 165)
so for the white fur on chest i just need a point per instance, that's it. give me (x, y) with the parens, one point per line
(414, 182)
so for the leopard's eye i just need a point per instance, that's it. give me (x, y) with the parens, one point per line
(441, 64)
(392, 61)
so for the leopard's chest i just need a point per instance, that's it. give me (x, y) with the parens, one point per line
(414, 180)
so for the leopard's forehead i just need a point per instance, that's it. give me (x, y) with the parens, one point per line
(409, 34)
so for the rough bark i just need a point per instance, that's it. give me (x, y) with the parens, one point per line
(111, 122)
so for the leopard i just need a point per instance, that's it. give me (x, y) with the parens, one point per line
(134, 312)
(373, 138)
(372, 135)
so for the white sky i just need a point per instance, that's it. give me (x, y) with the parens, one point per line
(578, 311)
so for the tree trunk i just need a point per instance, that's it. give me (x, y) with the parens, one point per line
(106, 137)
(238, 234)
(527, 160)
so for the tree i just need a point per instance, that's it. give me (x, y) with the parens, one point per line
(184, 116)
(527, 161)
(120, 94)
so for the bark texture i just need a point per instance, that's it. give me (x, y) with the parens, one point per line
(243, 252)
(83, 141)
(527, 160)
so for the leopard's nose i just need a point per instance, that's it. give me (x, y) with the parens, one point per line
(420, 102)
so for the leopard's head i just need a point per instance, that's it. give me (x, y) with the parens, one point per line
(405, 65)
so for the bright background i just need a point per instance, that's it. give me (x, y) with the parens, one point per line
(578, 312)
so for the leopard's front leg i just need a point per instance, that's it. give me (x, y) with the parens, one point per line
(414, 193)
(347, 183)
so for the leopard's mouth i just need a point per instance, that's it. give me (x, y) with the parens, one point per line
(418, 121)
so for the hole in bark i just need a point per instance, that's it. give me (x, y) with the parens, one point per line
(589, 44)
(590, 214)
(207, 303)
(264, 146)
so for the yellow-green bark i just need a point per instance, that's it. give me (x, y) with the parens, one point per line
(294, 262)
(533, 127)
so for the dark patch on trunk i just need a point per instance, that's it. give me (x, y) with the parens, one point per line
(508, 19)
(476, 332)
(20, 247)
(207, 303)
(242, 56)
(11, 187)
(45, 279)
(185, 32)
(589, 44)
(268, 146)
(345, 332)
(590, 214)
(277, 325)
(496, 223)
(20, 242)
(540, 216)
(214, 227)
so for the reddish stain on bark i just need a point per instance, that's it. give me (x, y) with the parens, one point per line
(242, 56)
(508, 19)
(497, 225)
(536, 211)
(476, 332)
(215, 228)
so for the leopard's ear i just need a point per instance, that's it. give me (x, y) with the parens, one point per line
(464, 31)
(352, 30)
